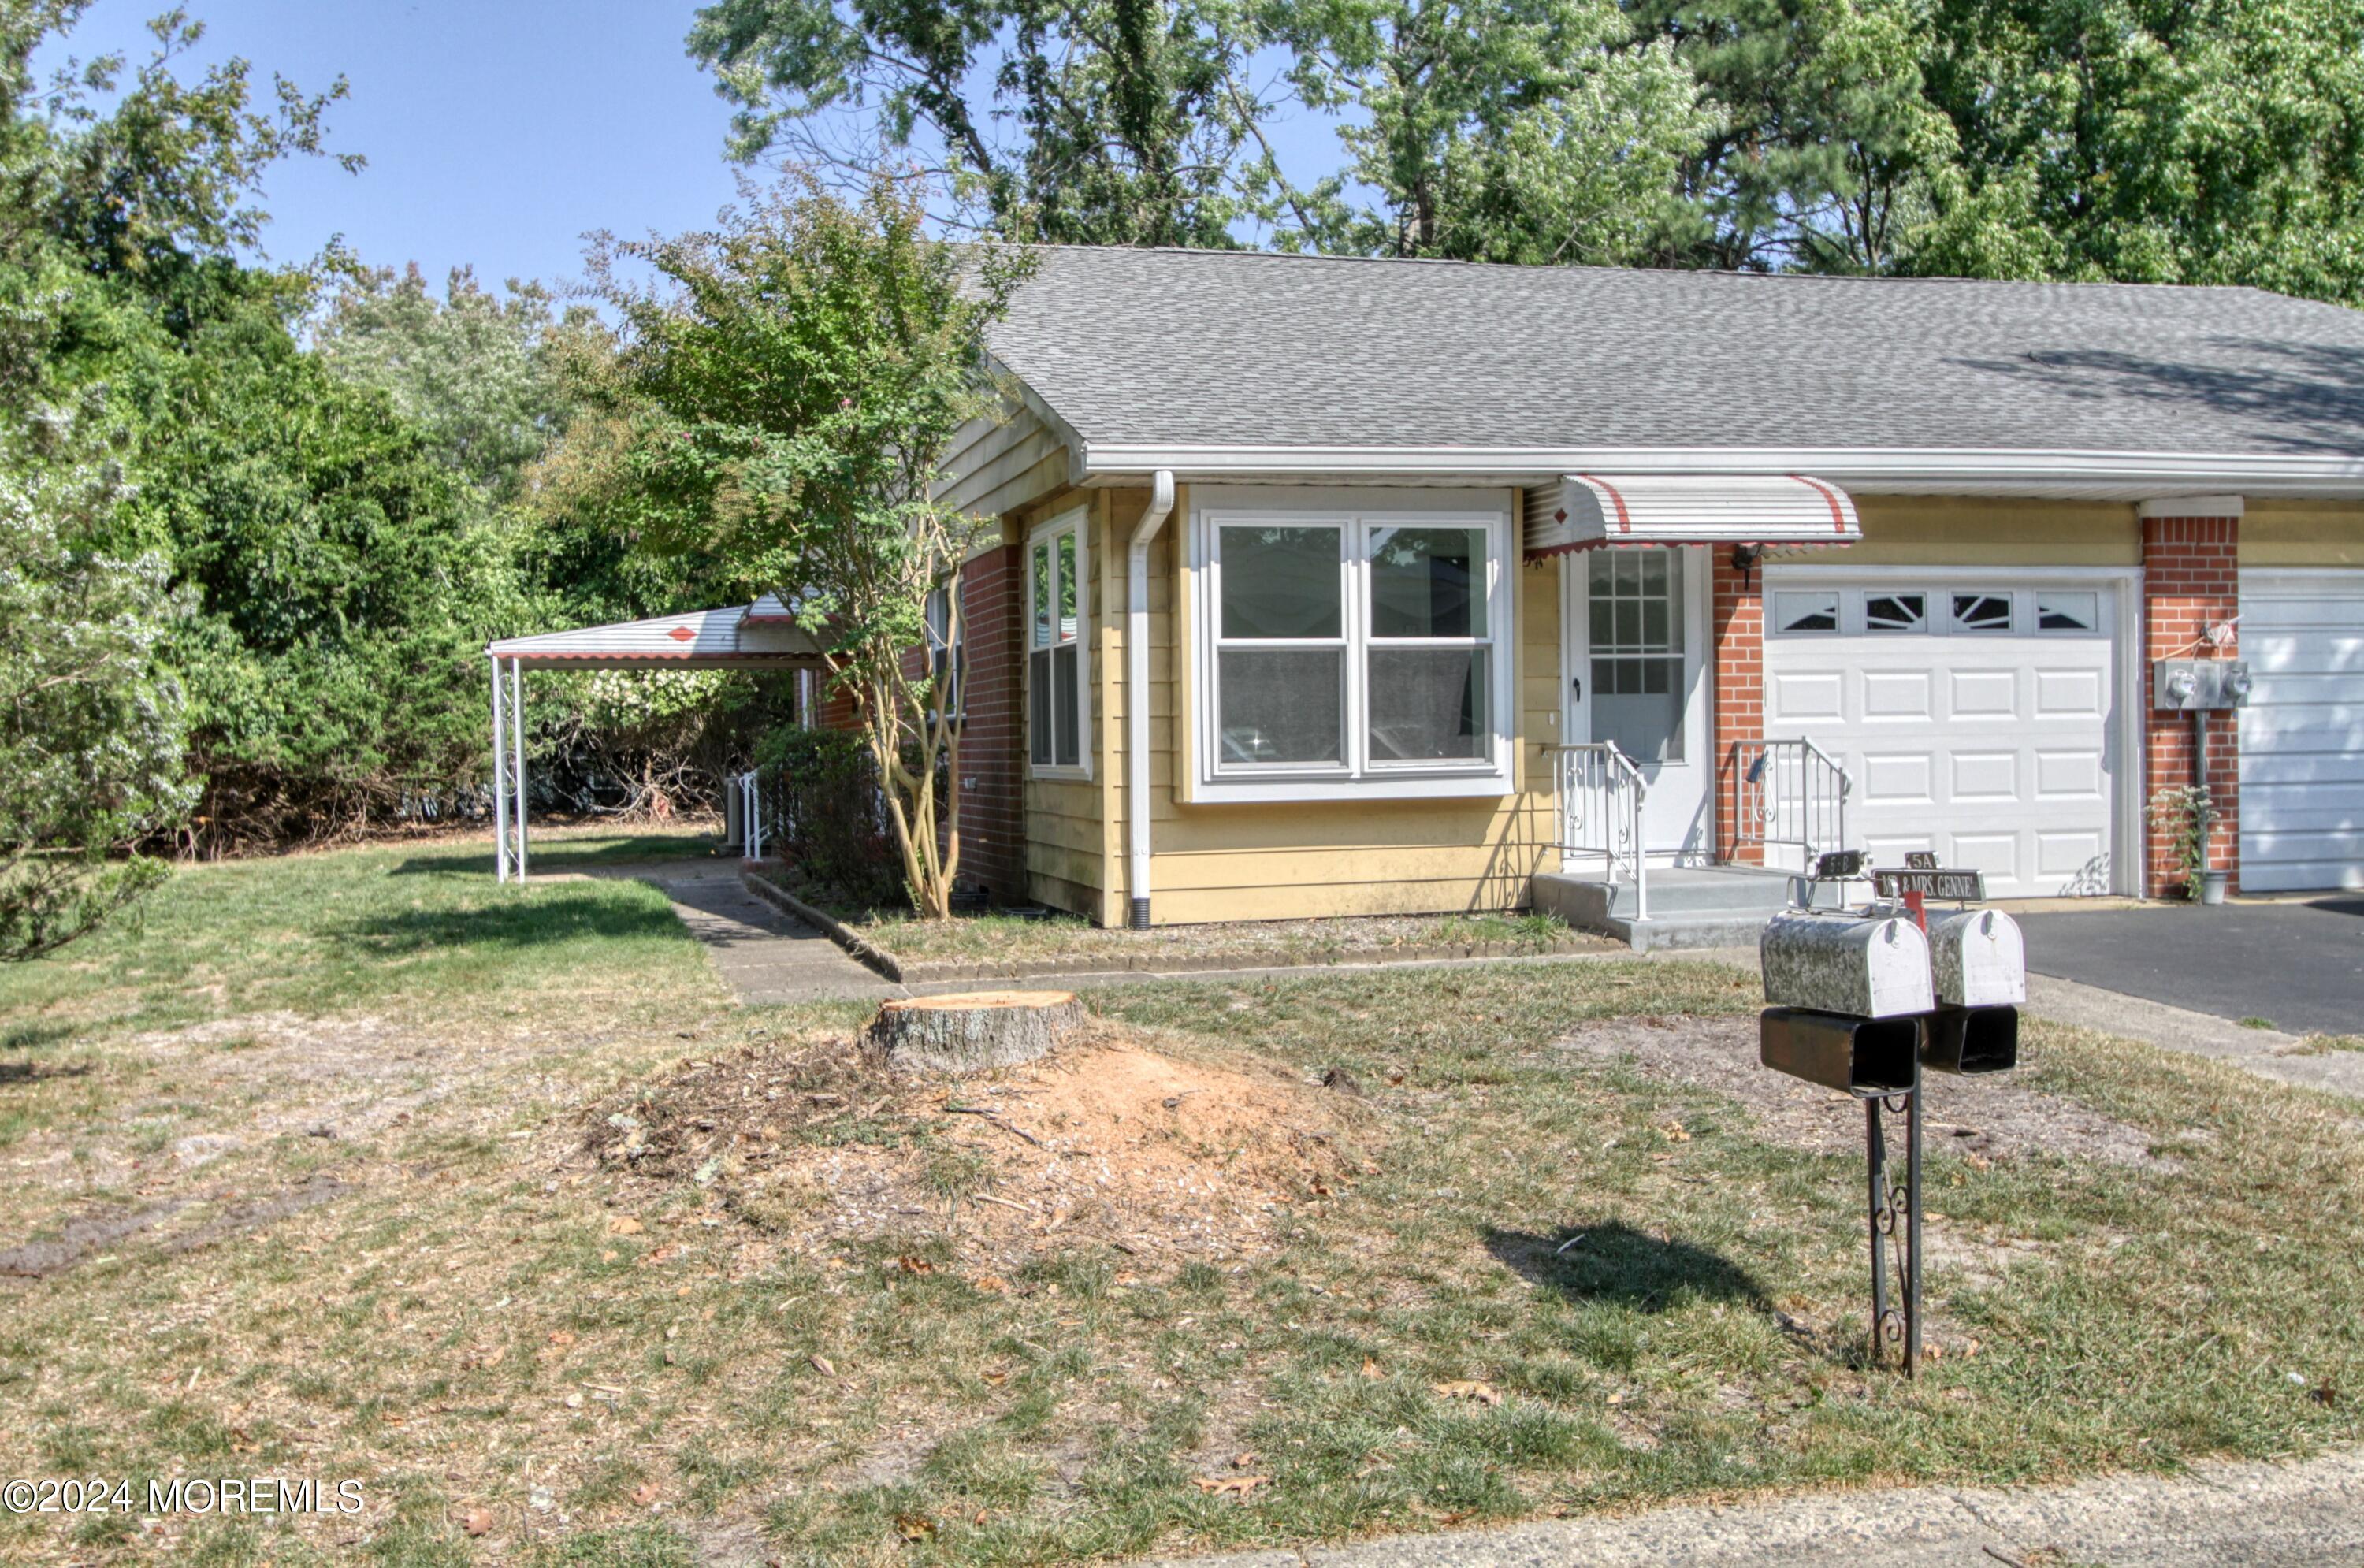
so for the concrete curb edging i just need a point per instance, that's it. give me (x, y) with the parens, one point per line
(780, 898)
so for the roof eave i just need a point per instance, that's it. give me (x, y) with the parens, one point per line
(2124, 475)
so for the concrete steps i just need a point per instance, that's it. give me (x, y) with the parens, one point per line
(1691, 906)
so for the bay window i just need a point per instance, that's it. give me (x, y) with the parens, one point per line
(1057, 671)
(1352, 650)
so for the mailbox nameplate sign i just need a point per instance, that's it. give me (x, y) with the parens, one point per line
(1960, 886)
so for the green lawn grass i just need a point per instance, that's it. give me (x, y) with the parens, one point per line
(489, 1329)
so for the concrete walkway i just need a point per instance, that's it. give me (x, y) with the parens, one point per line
(2219, 1516)
(766, 957)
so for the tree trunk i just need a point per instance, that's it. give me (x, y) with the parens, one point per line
(971, 1032)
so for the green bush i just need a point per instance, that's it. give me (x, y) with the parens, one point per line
(821, 789)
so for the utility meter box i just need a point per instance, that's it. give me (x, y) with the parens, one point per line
(1875, 968)
(1978, 959)
(2199, 686)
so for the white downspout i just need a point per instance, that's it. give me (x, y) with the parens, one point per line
(1136, 694)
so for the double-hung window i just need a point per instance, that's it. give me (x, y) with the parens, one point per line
(1352, 650)
(1057, 678)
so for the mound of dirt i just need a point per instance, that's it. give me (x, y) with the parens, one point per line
(1996, 1118)
(1106, 1139)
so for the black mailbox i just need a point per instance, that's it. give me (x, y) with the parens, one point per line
(1861, 1056)
(1970, 1040)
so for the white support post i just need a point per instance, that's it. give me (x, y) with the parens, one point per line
(517, 729)
(500, 783)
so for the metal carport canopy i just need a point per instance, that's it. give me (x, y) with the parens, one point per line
(761, 636)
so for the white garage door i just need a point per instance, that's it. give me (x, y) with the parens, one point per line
(1974, 717)
(2302, 733)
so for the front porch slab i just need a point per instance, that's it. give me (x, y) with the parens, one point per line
(1691, 906)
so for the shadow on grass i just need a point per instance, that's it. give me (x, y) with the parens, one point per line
(561, 854)
(554, 917)
(32, 1036)
(1617, 1265)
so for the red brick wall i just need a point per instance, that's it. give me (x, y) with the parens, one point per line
(1736, 624)
(992, 782)
(2191, 581)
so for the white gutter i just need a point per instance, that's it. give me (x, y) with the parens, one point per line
(2140, 474)
(1136, 696)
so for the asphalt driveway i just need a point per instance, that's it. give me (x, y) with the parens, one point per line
(2299, 965)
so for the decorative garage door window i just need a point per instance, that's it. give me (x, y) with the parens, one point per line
(1353, 648)
(1960, 612)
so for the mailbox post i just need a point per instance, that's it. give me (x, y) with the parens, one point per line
(1862, 1001)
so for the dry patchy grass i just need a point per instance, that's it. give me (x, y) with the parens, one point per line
(597, 1359)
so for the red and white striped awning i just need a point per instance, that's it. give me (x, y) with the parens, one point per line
(1585, 511)
(762, 636)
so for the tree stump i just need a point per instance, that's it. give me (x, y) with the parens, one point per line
(971, 1032)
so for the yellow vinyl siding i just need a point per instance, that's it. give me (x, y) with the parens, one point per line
(2303, 533)
(1969, 530)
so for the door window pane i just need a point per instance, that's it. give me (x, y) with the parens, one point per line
(1637, 601)
(1638, 702)
(1428, 583)
(1280, 705)
(1428, 704)
(1280, 583)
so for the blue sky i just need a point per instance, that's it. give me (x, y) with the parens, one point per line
(498, 131)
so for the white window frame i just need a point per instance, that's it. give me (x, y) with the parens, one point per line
(1071, 522)
(1357, 513)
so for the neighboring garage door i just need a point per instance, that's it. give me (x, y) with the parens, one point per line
(2302, 733)
(1974, 717)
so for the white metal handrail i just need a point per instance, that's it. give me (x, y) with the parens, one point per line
(1791, 792)
(750, 813)
(1600, 791)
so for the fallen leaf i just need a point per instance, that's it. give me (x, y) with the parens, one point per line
(1469, 1388)
(911, 1265)
(1371, 1368)
(477, 1521)
(914, 1527)
(820, 1364)
(645, 1493)
(1675, 1132)
(997, 1378)
(659, 1255)
(1237, 1485)
(980, 1518)
(609, 1256)
(622, 1225)
(991, 1284)
(1242, 1461)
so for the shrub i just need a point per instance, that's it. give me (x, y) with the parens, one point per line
(821, 789)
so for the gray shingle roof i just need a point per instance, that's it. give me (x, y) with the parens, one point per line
(1213, 348)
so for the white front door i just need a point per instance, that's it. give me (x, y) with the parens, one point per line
(1633, 654)
(1976, 713)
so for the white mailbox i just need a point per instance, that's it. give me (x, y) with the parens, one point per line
(1978, 960)
(1875, 968)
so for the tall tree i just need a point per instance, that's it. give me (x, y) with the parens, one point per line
(788, 389)
(1107, 122)
(1821, 148)
(1499, 130)
(2153, 141)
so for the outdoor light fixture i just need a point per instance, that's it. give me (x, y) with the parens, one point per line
(1745, 558)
